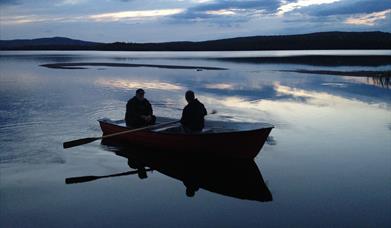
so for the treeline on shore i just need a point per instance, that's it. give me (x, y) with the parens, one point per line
(313, 41)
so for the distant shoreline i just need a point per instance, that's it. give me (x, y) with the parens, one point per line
(311, 41)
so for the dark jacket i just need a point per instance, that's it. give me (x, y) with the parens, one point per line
(135, 109)
(193, 115)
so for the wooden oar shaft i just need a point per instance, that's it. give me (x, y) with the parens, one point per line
(83, 141)
(138, 129)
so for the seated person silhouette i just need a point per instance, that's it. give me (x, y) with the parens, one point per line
(193, 114)
(139, 111)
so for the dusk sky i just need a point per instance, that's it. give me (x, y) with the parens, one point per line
(173, 20)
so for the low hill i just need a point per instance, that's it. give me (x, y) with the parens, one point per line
(46, 44)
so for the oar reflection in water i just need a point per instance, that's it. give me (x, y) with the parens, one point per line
(142, 173)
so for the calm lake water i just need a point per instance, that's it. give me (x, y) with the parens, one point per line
(327, 163)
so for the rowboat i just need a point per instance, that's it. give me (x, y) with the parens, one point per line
(217, 139)
(237, 178)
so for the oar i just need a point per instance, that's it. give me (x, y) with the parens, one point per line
(76, 180)
(83, 141)
(79, 142)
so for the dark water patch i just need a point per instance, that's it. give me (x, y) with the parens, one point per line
(82, 66)
(42, 58)
(379, 78)
(377, 74)
(317, 60)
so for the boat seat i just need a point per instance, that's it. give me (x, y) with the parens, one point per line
(176, 129)
(160, 129)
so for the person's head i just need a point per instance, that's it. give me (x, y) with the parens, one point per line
(140, 94)
(189, 96)
(190, 192)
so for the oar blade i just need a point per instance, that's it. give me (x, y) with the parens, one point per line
(78, 142)
(76, 180)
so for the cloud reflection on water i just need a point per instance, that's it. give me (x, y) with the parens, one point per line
(313, 108)
(131, 85)
(226, 86)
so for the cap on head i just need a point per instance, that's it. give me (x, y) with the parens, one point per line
(190, 95)
(140, 91)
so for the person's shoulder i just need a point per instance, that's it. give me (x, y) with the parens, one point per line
(133, 99)
(199, 103)
(187, 107)
(147, 101)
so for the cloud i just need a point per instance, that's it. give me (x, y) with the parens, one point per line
(221, 12)
(226, 8)
(351, 15)
(55, 2)
(72, 2)
(105, 17)
(194, 20)
(27, 19)
(346, 7)
(368, 19)
(134, 15)
(18, 20)
(9, 2)
(290, 6)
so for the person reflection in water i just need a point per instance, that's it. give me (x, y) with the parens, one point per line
(141, 171)
(139, 111)
(191, 183)
(193, 114)
(191, 189)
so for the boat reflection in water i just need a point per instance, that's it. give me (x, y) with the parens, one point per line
(238, 178)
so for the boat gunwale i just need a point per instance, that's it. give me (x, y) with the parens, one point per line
(187, 135)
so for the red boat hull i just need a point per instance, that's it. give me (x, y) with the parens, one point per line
(241, 144)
